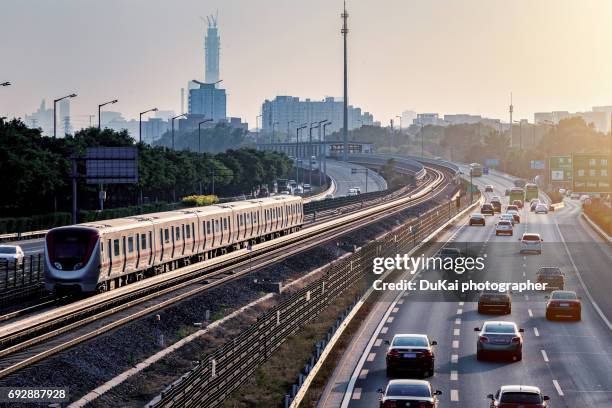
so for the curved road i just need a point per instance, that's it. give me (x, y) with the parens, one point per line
(570, 361)
(341, 173)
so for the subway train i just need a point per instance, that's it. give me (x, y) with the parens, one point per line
(103, 255)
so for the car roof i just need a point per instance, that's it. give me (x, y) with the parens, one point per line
(409, 382)
(10, 246)
(499, 323)
(410, 335)
(563, 291)
(520, 388)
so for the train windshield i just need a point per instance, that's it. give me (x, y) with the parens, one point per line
(70, 248)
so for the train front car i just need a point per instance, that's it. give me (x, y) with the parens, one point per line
(72, 258)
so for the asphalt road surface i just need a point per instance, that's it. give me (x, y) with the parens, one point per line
(570, 361)
(341, 173)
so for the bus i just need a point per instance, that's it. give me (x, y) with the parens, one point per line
(531, 192)
(516, 193)
(476, 169)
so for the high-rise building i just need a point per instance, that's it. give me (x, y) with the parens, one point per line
(208, 100)
(212, 46)
(285, 113)
(41, 118)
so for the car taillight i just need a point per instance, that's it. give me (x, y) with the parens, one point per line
(426, 353)
(425, 405)
(393, 353)
(516, 339)
(390, 404)
(483, 339)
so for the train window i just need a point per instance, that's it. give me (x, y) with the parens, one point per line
(143, 241)
(166, 235)
(130, 244)
(225, 224)
(178, 233)
(216, 225)
(187, 232)
(208, 227)
(116, 247)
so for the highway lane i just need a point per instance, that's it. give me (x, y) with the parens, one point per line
(340, 172)
(570, 361)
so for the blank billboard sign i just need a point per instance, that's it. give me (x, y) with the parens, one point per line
(111, 165)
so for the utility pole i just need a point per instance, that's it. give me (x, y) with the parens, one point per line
(325, 125)
(344, 32)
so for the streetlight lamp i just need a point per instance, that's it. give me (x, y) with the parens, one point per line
(297, 151)
(100, 108)
(5, 84)
(55, 101)
(175, 117)
(140, 123)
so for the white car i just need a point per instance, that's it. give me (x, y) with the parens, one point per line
(531, 242)
(352, 192)
(306, 187)
(541, 209)
(504, 227)
(11, 253)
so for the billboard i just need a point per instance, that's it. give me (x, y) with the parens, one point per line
(537, 164)
(590, 173)
(560, 168)
(111, 165)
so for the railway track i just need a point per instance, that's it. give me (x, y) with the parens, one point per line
(29, 340)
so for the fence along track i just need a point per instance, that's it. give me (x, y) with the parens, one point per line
(214, 379)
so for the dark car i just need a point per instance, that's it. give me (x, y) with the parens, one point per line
(411, 353)
(487, 209)
(499, 338)
(563, 303)
(518, 203)
(477, 219)
(494, 302)
(409, 394)
(497, 206)
(507, 192)
(552, 276)
(514, 396)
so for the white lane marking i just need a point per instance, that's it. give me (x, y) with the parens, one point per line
(390, 319)
(378, 342)
(461, 303)
(526, 296)
(544, 356)
(536, 332)
(524, 257)
(456, 332)
(400, 302)
(558, 388)
(454, 395)
(455, 344)
(458, 320)
(454, 375)
(454, 358)
(395, 310)
(586, 290)
(363, 374)
(459, 311)
(530, 312)
(357, 394)
(524, 274)
(384, 330)
(371, 357)
(524, 265)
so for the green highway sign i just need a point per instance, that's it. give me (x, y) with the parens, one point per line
(590, 173)
(560, 168)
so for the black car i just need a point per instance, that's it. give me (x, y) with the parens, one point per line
(487, 209)
(409, 394)
(477, 219)
(552, 276)
(494, 302)
(410, 353)
(497, 206)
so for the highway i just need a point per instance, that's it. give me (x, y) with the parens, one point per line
(570, 361)
(340, 172)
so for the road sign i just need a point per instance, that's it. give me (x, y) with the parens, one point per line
(537, 164)
(111, 165)
(590, 173)
(560, 168)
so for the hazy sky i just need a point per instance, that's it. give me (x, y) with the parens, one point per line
(447, 56)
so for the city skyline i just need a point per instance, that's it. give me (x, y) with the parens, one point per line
(137, 60)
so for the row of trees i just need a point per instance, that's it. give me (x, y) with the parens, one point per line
(36, 171)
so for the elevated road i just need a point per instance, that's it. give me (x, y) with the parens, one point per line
(341, 173)
(570, 361)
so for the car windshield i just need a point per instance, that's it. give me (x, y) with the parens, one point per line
(410, 341)
(408, 390)
(499, 328)
(477, 216)
(531, 237)
(564, 295)
(521, 398)
(8, 250)
(486, 206)
(512, 208)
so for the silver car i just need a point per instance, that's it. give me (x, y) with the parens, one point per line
(498, 338)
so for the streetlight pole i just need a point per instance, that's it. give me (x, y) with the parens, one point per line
(100, 108)
(319, 149)
(55, 101)
(140, 123)
(310, 150)
(257, 128)
(175, 117)
(325, 125)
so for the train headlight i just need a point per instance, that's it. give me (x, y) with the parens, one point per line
(58, 265)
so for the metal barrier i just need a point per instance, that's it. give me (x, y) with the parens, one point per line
(18, 274)
(213, 380)
(330, 203)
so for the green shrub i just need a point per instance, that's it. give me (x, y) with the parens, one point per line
(199, 200)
